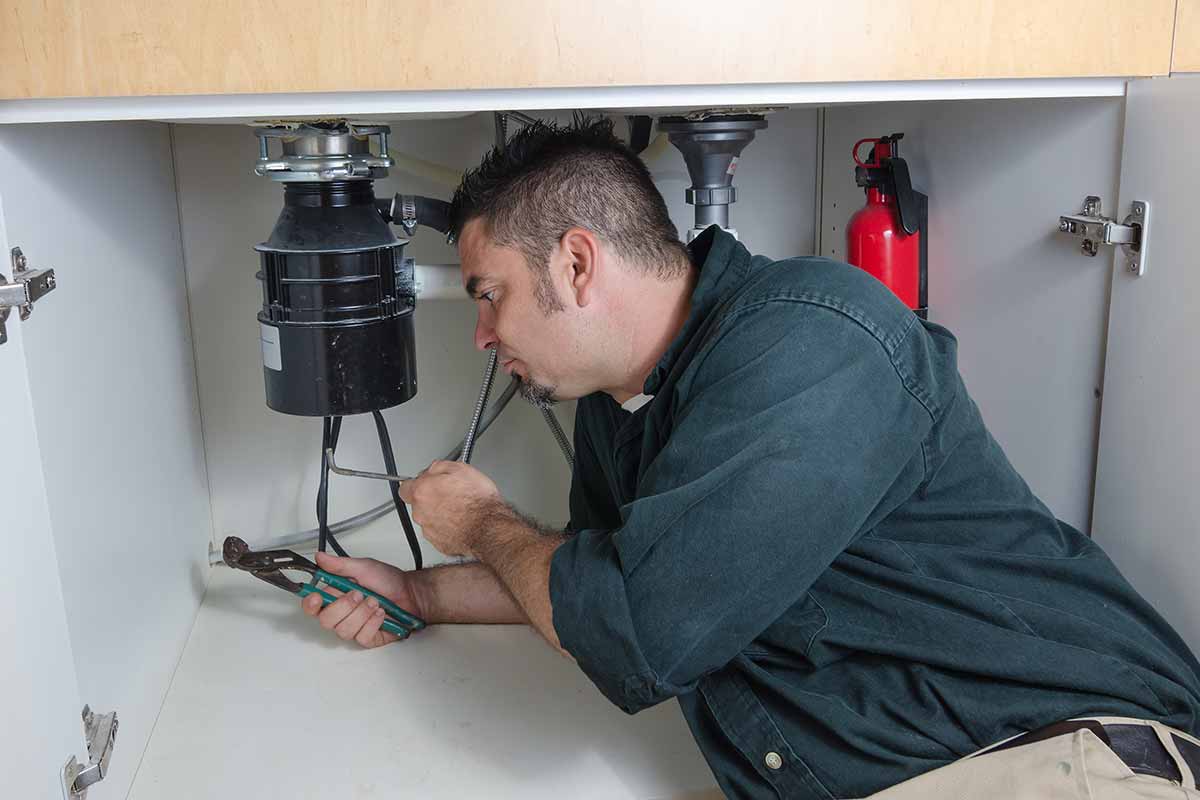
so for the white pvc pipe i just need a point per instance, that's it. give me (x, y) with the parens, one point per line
(439, 282)
(659, 145)
(420, 168)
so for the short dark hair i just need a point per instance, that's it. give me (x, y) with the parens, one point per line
(549, 178)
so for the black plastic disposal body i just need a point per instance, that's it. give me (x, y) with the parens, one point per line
(338, 295)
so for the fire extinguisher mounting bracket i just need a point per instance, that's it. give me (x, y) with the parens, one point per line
(906, 199)
(1132, 234)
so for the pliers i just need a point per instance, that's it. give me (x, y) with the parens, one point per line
(269, 565)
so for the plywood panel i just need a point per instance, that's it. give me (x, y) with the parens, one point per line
(1187, 37)
(72, 48)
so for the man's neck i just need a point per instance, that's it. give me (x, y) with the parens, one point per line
(656, 322)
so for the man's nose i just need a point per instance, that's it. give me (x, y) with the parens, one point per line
(485, 335)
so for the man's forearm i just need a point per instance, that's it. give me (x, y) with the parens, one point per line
(467, 594)
(519, 554)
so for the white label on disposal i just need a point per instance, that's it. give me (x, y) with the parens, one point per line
(269, 335)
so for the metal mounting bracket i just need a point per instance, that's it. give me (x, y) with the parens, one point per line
(358, 473)
(101, 733)
(27, 287)
(1132, 233)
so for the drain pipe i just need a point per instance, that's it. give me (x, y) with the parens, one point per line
(711, 147)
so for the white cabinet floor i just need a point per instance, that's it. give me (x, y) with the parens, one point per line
(266, 704)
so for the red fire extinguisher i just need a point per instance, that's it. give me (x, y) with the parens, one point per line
(887, 237)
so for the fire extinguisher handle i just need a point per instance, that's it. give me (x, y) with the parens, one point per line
(872, 161)
(906, 200)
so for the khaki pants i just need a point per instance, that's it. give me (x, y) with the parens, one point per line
(1075, 766)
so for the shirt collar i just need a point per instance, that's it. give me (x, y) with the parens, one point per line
(723, 262)
(636, 402)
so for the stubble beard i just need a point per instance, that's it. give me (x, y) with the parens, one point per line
(537, 394)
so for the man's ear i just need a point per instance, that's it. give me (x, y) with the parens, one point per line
(581, 248)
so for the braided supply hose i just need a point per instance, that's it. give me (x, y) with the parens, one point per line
(489, 375)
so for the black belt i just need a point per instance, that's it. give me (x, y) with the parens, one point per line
(1137, 745)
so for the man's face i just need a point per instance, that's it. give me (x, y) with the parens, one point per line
(534, 339)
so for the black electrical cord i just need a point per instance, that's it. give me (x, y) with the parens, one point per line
(323, 489)
(331, 428)
(389, 461)
(639, 132)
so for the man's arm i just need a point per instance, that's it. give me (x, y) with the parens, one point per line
(452, 593)
(518, 552)
(465, 594)
(461, 512)
(796, 433)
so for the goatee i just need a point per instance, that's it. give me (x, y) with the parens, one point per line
(537, 394)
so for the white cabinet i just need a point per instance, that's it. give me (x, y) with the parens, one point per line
(114, 430)
(134, 397)
(42, 694)
(1147, 505)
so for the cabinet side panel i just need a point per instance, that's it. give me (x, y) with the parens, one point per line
(1146, 499)
(112, 379)
(1027, 307)
(41, 700)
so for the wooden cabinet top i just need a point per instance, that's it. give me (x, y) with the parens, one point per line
(137, 48)
(1187, 37)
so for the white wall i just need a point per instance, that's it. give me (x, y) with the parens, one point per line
(114, 400)
(263, 466)
(1028, 309)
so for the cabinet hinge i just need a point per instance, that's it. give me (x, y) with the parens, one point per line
(27, 287)
(1132, 234)
(101, 733)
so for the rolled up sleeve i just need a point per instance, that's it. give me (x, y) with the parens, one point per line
(790, 436)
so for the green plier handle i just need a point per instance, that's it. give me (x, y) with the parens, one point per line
(270, 565)
(398, 621)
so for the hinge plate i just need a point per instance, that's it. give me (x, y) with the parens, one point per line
(27, 287)
(101, 733)
(1132, 234)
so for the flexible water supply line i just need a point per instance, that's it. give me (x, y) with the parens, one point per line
(308, 539)
(489, 375)
(559, 436)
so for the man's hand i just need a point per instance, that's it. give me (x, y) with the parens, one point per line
(355, 618)
(448, 501)
(462, 513)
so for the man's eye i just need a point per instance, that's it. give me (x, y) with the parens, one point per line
(489, 296)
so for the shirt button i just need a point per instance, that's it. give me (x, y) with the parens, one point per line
(773, 760)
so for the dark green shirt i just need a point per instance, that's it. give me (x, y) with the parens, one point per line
(810, 539)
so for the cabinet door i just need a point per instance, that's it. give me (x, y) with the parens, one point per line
(42, 727)
(1147, 502)
(111, 379)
